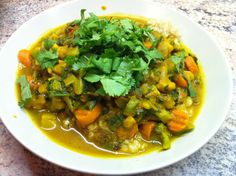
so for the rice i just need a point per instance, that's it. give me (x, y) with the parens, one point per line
(91, 129)
(163, 27)
(133, 145)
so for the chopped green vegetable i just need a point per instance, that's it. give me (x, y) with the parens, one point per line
(131, 105)
(25, 90)
(163, 115)
(91, 104)
(47, 59)
(162, 130)
(178, 61)
(57, 89)
(78, 86)
(69, 103)
(115, 122)
(77, 83)
(166, 143)
(191, 91)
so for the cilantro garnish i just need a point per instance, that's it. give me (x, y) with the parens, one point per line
(46, 58)
(48, 43)
(115, 49)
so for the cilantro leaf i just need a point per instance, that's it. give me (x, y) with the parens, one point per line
(25, 90)
(154, 54)
(83, 62)
(104, 64)
(178, 61)
(116, 63)
(127, 24)
(92, 77)
(70, 60)
(130, 65)
(48, 43)
(110, 53)
(112, 87)
(47, 59)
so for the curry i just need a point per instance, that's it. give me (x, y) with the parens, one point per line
(110, 86)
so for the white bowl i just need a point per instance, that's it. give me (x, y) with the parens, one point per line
(218, 94)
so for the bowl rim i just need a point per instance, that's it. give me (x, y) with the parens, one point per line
(196, 148)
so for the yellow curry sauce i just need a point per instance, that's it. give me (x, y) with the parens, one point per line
(161, 107)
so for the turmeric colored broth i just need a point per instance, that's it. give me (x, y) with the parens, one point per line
(53, 116)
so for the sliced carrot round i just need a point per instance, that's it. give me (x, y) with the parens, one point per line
(86, 117)
(179, 121)
(24, 57)
(191, 64)
(180, 81)
(127, 133)
(146, 129)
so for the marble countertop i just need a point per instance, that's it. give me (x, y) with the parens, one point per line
(217, 157)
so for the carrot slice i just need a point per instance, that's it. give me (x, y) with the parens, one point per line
(24, 57)
(191, 64)
(180, 81)
(179, 121)
(127, 133)
(146, 129)
(86, 117)
(133, 130)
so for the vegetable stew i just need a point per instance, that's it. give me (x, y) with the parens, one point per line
(107, 86)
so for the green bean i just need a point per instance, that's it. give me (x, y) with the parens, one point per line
(131, 105)
(69, 103)
(164, 134)
(76, 82)
(163, 115)
(166, 143)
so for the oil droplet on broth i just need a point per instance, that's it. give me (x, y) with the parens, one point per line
(103, 7)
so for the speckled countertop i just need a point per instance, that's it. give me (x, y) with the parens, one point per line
(217, 157)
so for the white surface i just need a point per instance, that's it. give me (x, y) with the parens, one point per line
(212, 59)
